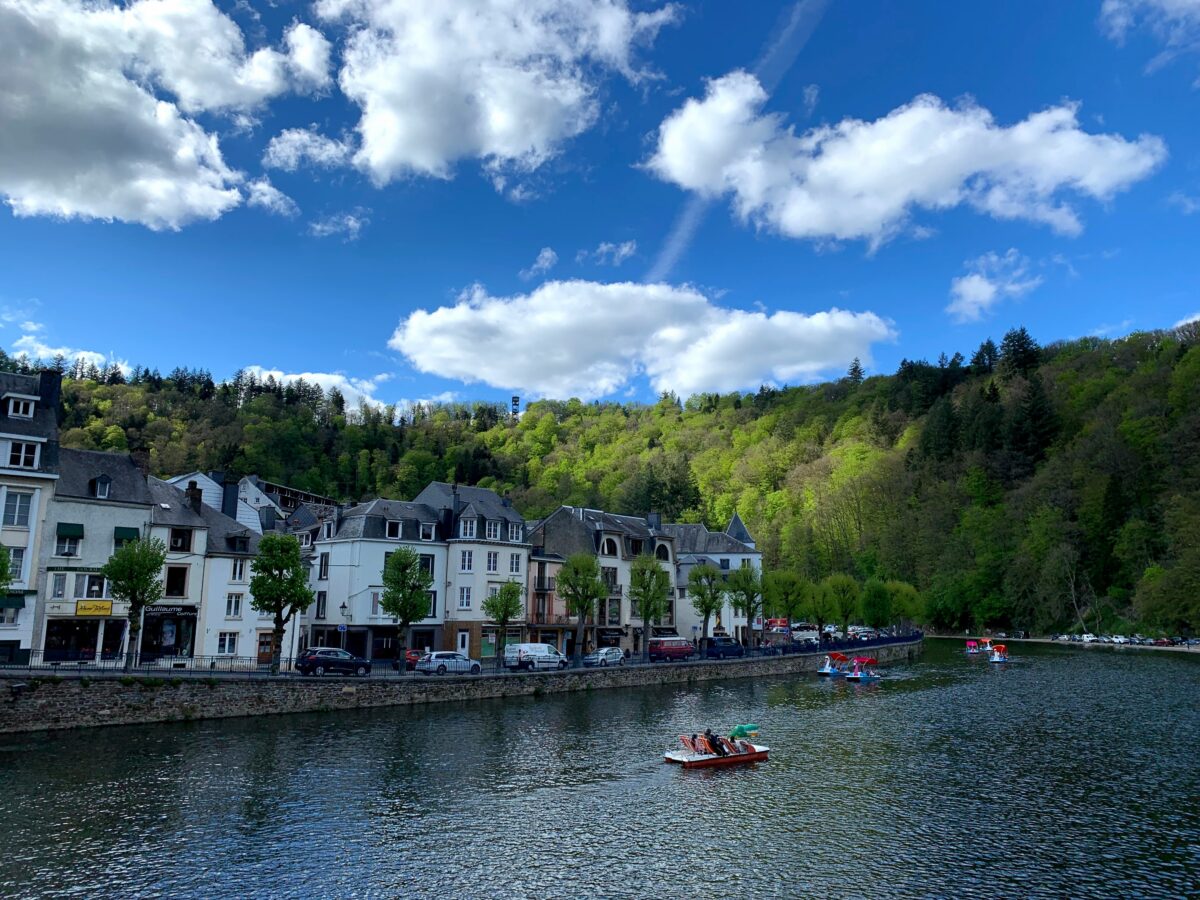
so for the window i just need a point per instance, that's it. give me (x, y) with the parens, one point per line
(514, 563)
(181, 540)
(9, 616)
(122, 536)
(745, 563)
(466, 528)
(16, 509)
(305, 539)
(102, 486)
(661, 552)
(393, 530)
(724, 565)
(23, 455)
(493, 562)
(427, 563)
(467, 560)
(427, 531)
(16, 563)
(464, 598)
(493, 531)
(323, 567)
(233, 606)
(227, 643)
(374, 603)
(21, 409)
(327, 531)
(609, 547)
(432, 604)
(90, 587)
(514, 532)
(239, 570)
(614, 611)
(321, 604)
(66, 546)
(58, 586)
(176, 583)
(493, 590)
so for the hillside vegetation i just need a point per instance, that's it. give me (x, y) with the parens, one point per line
(1030, 487)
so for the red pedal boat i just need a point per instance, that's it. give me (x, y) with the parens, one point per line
(698, 754)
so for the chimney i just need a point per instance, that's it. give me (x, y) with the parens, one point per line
(50, 390)
(195, 497)
(266, 515)
(229, 496)
(141, 459)
(654, 520)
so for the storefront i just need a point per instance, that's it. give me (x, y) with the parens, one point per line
(12, 608)
(168, 631)
(609, 637)
(489, 639)
(92, 629)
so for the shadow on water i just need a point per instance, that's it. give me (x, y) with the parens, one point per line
(1053, 775)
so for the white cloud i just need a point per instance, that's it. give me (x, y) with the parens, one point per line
(96, 100)
(1174, 23)
(862, 180)
(992, 278)
(33, 347)
(308, 56)
(812, 93)
(353, 389)
(292, 147)
(587, 339)
(1187, 320)
(503, 81)
(264, 194)
(348, 224)
(1184, 203)
(546, 260)
(608, 253)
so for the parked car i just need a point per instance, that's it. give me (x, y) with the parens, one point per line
(1120, 639)
(330, 660)
(723, 647)
(605, 656)
(1089, 638)
(1162, 642)
(530, 657)
(411, 657)
(448, 662)
(670, 648)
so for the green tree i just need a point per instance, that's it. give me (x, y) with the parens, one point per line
(581, 587)
(707, 590)
(134, 575)
(1019, 354)
(855, 374)
(906, 602)
(649, 591)
(503, 607)
(786, 594)
(406, 588)
(745, 591)
(876, 604)
(279, 586)
(841, 592)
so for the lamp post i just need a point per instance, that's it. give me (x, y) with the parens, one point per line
(345, 615)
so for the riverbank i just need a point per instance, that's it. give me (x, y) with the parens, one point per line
(51, 703)
(1074, 644)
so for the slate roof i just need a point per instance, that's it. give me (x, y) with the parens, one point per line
(480, 501)
(221, 528)
(78, 469)
(369, 520)
(738, 531)
(698, 539)
(45, 417)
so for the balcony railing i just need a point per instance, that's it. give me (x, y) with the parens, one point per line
(542, 585)
(613, 587)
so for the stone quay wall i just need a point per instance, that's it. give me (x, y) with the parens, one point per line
(33, 703)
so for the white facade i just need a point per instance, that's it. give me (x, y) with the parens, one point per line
(213, 496)
(229, 626)
(24, 500)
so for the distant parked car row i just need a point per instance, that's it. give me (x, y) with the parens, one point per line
(1136, 640)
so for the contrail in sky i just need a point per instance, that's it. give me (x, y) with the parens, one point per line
(795, 27)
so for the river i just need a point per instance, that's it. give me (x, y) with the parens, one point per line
(1066, 772)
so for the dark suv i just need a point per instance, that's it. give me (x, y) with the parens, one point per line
(322, 660)
(723, 647)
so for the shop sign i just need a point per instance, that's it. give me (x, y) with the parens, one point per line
(157, 611)
(93, 607)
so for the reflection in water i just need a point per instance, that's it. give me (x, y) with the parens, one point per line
(1063, 773)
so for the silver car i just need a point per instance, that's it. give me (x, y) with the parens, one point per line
(605, 656)
(448, 662)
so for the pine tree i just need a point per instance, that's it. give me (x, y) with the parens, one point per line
(1019, 354)
(855, 375)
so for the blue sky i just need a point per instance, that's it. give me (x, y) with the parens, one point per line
(359, 190)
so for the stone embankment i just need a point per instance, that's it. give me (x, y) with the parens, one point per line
(32, 703)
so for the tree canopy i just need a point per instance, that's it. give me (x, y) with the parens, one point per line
(134, 575)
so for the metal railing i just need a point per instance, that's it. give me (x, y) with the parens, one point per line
(544, 584)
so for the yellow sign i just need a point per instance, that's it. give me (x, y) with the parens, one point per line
(93, 607)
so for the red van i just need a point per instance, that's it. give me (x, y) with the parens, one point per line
(670, 648)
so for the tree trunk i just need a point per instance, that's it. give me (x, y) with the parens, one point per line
(501, 635)
(135, 633)
(578, 655)
(704, 635)
(277, 642)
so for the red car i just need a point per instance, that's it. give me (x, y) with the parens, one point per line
(670, 648)
(410, 660)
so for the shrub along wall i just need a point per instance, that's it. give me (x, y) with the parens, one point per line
(38, 704)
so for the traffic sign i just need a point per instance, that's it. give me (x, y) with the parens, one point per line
(342, 627)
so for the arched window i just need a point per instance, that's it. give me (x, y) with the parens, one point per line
(663, 553)
(609, 547)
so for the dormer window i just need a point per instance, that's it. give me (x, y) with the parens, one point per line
(327, 531)
(305, 539)
(101, 486)
(609, 547)
(427, 531)
(514, 532)
(23, 455)
(466, 528)
(181, 540)
(493, 531)
(20, 409)
(393, 530)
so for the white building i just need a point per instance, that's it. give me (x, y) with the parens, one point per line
(28, 472)
(219, 493)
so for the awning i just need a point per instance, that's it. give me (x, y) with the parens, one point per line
(121, 533)
(12, 601)
(70, 529)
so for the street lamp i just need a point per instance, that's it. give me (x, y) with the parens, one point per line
(345, 615)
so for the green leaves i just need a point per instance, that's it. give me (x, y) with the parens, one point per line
(405, 587)
(134, 573)
(279, 584)
(649, 588)
(580, 585)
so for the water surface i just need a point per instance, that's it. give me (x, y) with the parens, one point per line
(1064, 773)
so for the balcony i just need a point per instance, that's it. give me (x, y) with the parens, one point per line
(613, 587)
(543, 585)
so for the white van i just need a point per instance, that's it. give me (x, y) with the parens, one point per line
(533, 656)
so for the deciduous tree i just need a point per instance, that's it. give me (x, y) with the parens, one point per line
(503, 607)
(134, 574)
(707, 591)
(279, 586)
(581, 587)
(406, 588)
(649, 590)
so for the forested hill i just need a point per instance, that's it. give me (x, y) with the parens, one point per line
(1021, 487)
